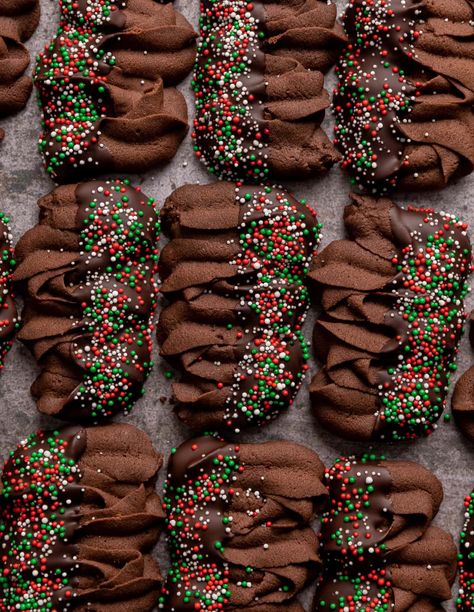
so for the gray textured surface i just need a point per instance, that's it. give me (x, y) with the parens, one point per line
(22, 182)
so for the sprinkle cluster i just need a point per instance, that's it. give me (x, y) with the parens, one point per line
(278, 238)
(229, 132)
(353, 532)
(374, 96)
(119, 293)
(71, 78)
(465, 600)
(9, 320)
(428, 318)
(198, 524)
(38, 515)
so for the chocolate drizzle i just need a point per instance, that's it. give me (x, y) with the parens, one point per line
(412, 268)
(254, 293)
(465, 600)
(100, 300)
(463, 396)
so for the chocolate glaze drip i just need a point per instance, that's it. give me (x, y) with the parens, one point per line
(88, 312)
(79, 519)
(463, 397)
(238, 530)
(402, 296)
(101, 85)
(238, 301)
(18, 21)
(465, 600)
(376, 539)
(258, 109)
(403, 69)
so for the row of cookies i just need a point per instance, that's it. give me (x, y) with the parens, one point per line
(236, 286)
(80, 517)
(403, 104)
(237, 300)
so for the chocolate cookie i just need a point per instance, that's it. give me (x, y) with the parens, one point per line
(79, 518)
(234, 273)
(103, 88)
(465, 600)
(378, 548)
(463, 396)
(393, 312)
(404, 99)
(9, 320)
(259, 91)
(18, 20)
(88, 270)
(238, 523)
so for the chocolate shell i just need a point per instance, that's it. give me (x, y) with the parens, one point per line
(463, 397)
(238, 523)
(379, 550)
(234, 273)
(9, 319)
(465, 600)
(18, 20)
(393, 312)
(259, 88)
(79, 518)
(103, 85)
(88, 273)
(404, 101)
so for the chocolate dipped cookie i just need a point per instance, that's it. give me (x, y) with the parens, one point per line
(463, 397)
(88, 273)
(238, 522)
(79, 518)
(104, 88)
(392, 296)
(465, 599)
(18, 20)
(234, 273)
(378, 547)
(404, 99)
(259, 87)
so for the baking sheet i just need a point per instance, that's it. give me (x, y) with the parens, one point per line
(23, 181)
